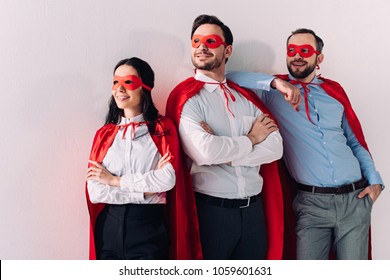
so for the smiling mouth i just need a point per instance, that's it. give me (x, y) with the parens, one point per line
(122, 98)
(298, 63)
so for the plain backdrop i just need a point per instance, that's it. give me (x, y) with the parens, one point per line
(56, 63)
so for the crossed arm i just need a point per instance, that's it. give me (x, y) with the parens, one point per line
(105, 187)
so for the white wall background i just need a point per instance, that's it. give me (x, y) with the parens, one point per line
(56, 62)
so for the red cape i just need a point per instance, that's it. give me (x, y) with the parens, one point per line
(272, 190)
(181, 212)
(336, 91)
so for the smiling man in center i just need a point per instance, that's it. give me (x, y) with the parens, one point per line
(231, 195)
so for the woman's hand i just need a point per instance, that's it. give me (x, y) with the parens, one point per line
(164, 160)
(98, 173)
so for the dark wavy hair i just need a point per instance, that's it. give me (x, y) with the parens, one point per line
(149, 110)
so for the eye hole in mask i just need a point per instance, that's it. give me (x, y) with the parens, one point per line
(212, 41)
(303, 50)
(130, 82)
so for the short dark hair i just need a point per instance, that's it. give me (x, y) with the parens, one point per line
(149, 110)
(207, 19)
(319, 42)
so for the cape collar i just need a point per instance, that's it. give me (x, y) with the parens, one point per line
(210, 84)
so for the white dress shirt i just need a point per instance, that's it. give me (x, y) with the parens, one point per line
(225, 164)
(136, 162)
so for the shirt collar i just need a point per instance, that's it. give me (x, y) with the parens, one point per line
(139, 118)
(213, 83)
(314, 81)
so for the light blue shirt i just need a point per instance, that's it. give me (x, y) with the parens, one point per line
(325, 153)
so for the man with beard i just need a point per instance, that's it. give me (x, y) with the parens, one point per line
(325, 152)
(226, 161)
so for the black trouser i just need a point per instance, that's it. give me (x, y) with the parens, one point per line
(232, 233)
(131, 231)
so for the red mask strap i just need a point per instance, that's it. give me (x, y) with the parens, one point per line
(130, 82)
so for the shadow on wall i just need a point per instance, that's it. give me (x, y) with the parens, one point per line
(253, 56)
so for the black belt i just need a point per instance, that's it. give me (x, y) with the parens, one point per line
(362, 183)
(225, 202)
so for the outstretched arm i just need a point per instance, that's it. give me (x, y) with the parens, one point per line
(262, 82)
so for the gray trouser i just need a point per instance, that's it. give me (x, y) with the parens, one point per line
(326, 219)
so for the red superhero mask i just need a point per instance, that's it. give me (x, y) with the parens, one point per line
(130, 82)
(212, 41)
(303, 50)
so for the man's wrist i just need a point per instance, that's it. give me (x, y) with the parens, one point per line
(252, 139)
(273, 83)
(115, 181)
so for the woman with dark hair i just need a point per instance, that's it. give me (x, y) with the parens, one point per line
(135, 160)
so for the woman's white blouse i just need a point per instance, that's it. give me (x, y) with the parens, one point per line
(136, 162)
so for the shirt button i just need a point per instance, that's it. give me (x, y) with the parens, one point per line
(324, 143)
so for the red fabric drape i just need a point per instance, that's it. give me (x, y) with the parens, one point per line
(272, 190)
(181, 210)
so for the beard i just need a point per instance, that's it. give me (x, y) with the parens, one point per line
(208, 66)
(301, 74)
